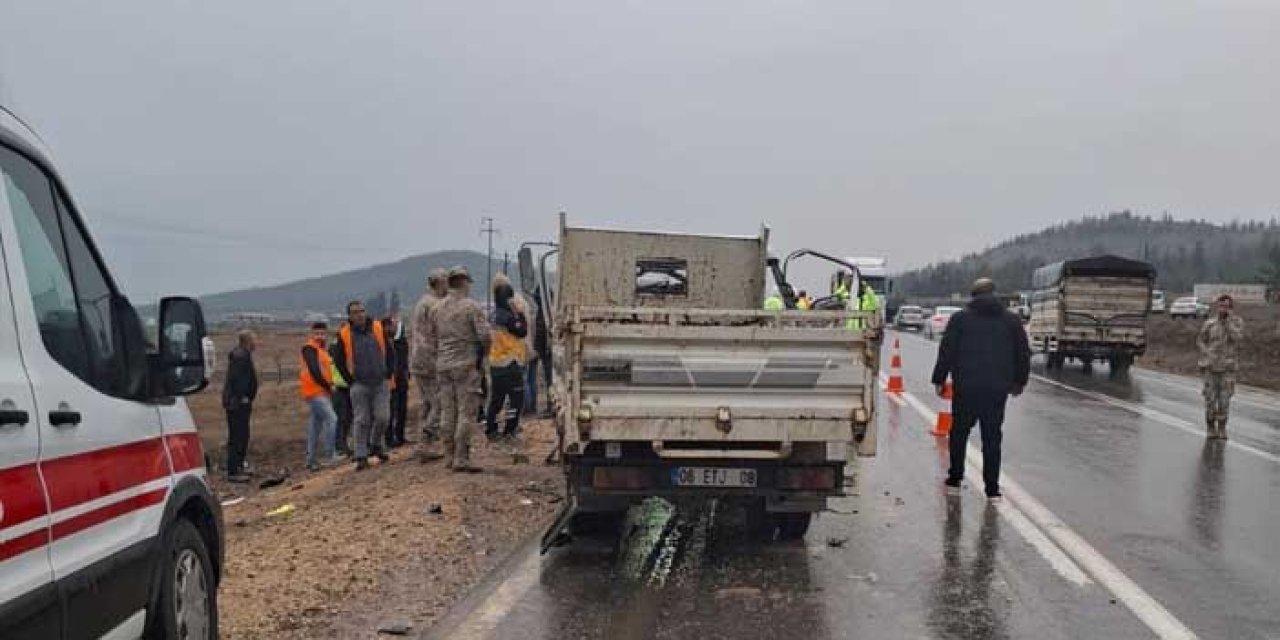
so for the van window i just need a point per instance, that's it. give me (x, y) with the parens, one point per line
(69, 291)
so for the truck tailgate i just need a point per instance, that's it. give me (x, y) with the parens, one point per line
(721, 376)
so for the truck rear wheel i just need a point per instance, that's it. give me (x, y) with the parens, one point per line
(793, 526)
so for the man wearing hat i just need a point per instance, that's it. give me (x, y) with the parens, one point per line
(986, 354)
(456, 332)
(422, 366)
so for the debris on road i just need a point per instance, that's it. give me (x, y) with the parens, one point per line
(526, 502)
(282, 510)
(396, 628)
(738, 592)
(231, 502)
(836, 543)
(274, 481)
(435, 509)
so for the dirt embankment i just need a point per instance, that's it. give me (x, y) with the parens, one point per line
(361, 549)
(1172, 346)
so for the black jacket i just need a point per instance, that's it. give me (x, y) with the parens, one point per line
(241, 386)
(541, 337)
(984, 349)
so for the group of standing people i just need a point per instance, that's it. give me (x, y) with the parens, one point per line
(458, 356)
(356, 385)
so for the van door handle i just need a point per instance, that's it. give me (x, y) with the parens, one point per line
(64, 418)
(14, 416)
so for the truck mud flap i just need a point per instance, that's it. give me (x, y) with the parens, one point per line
(556, 535)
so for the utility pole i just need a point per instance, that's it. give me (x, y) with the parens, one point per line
(505, 263)
(488, 228)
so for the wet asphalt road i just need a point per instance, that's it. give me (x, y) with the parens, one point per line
(1194, 524)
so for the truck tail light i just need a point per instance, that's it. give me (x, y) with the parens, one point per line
(621, 478)
(807, 478)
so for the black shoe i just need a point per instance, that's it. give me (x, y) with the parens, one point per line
(953, 486)
(362, 464)
(383, 457)
(313, 467)
(994, 494)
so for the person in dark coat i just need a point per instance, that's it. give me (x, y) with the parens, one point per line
(986, 354)
(238, 393)
(341, 404)
(395, 329)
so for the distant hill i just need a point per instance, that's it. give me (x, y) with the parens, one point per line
(1184, 252)
(329, 294)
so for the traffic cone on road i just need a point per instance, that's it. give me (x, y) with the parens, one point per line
(943, 425)
(895, 369)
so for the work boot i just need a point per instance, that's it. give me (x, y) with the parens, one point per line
(466, 467)
(426, 455)
(383, 457)
(362, 464)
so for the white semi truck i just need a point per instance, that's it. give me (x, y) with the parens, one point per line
(671, 381)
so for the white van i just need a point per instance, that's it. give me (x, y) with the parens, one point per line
(108, 527)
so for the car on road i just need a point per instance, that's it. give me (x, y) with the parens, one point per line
(1188, 308)
(910, 317)
(108, 525)
(937, 323)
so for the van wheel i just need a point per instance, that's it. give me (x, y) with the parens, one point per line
(187, 606)
(793, 526)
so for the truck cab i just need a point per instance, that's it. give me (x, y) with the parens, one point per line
(107, 524)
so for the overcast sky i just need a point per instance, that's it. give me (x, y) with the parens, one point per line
(220, 144)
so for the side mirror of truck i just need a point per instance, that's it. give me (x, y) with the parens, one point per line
(180, 364)
(528, 276)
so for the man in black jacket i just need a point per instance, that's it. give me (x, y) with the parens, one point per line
(238, 393)
(985, 352)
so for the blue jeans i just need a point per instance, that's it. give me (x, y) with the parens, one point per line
(320, 429)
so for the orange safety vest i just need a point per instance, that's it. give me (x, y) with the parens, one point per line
(378, 336)
(309, 387)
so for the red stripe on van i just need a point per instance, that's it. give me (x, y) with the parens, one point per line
(98, 516)
(23, 544)
(186, 451)
(21, 497)
(79, 478)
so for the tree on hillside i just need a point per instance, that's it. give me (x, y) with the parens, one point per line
(1270, 271)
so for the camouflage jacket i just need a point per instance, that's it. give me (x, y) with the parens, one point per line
(421, 364)
(1219, 344)
(457, 333)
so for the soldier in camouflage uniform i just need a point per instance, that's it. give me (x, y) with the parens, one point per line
(457, 333)
(1219, 344)
(422, 365)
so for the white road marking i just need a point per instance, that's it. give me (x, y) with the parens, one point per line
(1158, 416)
(481, 623)
(1145, 607)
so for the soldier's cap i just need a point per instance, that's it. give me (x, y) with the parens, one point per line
(459, 272)
(437, 275)
(983, 285)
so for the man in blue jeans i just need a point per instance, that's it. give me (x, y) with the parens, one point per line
(986, 353)
(315, 383)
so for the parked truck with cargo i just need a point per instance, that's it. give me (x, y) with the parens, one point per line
(671, 381)
(1091, 310)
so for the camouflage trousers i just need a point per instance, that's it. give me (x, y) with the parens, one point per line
(1218, 389)
(458, 396)
(430, 407)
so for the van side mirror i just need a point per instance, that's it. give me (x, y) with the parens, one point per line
(528, 276)
(180, 363)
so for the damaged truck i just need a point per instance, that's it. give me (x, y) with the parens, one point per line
(670, 380)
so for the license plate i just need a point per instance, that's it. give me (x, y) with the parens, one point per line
(713, 477)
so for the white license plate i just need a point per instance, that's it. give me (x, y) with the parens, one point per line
(713, 477)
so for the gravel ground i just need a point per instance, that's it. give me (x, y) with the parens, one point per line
(359, 550)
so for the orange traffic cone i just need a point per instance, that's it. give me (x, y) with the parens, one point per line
(943, 426)
(895, 369)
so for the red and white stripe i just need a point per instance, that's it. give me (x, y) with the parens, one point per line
(90, 489)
